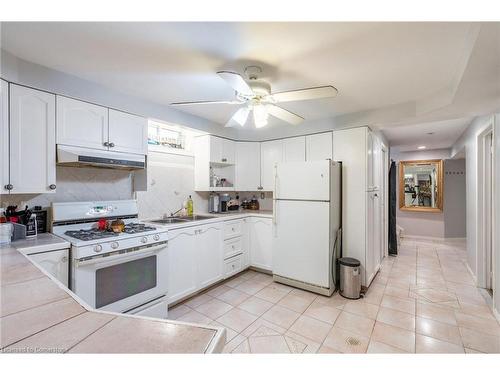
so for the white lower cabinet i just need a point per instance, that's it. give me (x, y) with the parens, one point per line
(181, 263)
(195, 259)
(260, 241)
(54, 262)
(209, 254)
(201, 256)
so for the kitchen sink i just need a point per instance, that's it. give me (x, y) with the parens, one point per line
(170, 220)
(195, 217)
(181, 219)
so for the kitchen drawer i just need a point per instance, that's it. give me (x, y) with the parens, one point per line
(232, 247)
(233, 265)
(233, 228)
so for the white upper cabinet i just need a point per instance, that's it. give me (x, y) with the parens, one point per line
(319, 146)
(81, 124)
(221, 150)
(32, 141)
(248, 166)
(294, 149)
(4, 137)
(92, 126)
(128, 133)
(270, 153)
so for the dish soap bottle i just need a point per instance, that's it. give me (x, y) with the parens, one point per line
(189, 206)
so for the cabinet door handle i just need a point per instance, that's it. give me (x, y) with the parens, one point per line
(111, 144)
(106, 144)
(52, 186)
(9, 187)
(224, 160)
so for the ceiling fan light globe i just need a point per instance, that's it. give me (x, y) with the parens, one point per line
(260, 115)
(241, 116)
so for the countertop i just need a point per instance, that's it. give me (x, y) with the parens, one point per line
(38, 314)
(40, 244)
(230, 215)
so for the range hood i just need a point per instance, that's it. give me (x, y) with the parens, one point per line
(84, 157)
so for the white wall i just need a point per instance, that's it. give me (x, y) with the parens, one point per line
(429, 224)
(496, 294)
(171, 181)
(468, 142)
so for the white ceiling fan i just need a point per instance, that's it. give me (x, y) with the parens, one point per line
(254, 95)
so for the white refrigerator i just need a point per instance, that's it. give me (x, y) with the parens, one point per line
(307, 220)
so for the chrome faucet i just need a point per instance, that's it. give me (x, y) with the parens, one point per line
(165, 216)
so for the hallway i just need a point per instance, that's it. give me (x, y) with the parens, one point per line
(422, 301)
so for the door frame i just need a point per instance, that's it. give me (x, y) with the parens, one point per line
(385, 198)
(481, 212)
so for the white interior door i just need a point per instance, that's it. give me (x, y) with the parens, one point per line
(301, 244)
(303, 180)
(488, 208)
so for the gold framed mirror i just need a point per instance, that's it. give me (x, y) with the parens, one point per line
(421, 185)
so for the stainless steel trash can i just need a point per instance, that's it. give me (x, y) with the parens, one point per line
(350, 278)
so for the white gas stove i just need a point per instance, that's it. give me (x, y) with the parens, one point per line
(120, 272)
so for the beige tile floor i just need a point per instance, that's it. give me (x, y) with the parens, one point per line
(422, 301)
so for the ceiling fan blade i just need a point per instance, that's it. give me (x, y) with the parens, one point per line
(236, 82)
(284, 115)
(239, 118)
(207, 102)
(305, 94)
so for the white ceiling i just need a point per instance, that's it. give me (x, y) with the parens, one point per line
(409, 137)
(373, 65)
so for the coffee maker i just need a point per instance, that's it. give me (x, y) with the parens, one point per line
(224, 200)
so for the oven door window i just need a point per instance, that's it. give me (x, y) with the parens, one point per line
(123, 280)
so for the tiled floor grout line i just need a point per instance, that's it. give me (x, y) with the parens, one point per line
(426, 260)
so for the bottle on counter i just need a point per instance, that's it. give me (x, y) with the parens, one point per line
(5, 228)
(31, 227)
(190, 206)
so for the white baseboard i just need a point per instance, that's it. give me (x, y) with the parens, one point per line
(471, 273)
(496, 313)
(438, 239)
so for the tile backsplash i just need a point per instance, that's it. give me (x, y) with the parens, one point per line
(170, 182)
(79, 184)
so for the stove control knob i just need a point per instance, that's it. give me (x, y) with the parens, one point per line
(114, 245)
(144, 239)
(97, 248)
(156, 237)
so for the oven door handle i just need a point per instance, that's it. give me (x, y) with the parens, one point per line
(113, 258)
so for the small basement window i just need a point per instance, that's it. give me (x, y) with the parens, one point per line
(171, 138)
